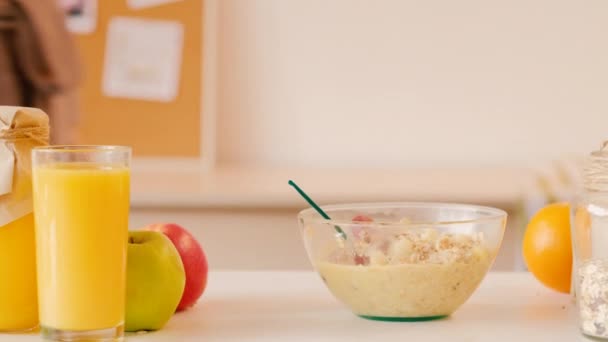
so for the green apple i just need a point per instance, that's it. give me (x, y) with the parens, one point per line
(155, 281)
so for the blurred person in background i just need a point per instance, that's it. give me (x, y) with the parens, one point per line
(39, 64)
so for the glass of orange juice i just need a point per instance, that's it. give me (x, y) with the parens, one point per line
(81, 209)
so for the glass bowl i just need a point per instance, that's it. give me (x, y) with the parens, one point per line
(403, 261)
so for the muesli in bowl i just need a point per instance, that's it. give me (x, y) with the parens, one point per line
(403, 261)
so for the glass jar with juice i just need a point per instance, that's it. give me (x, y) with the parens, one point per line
(21, 129)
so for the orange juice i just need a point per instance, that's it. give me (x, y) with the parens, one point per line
(81, 212)
(18, 303)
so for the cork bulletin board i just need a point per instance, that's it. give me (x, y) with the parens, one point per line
(153, 128)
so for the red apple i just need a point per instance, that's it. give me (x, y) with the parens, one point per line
(193, 258)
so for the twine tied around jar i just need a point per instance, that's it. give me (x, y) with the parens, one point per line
(596, 169)
(38, 134)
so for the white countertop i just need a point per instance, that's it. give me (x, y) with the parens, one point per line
(295, 306)
(266, 187)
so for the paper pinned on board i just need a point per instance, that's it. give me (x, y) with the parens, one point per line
(143, 59)
(139, 4)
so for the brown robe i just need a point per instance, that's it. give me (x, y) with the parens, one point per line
(39, 64)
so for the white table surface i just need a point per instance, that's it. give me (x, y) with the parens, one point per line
(295, 306)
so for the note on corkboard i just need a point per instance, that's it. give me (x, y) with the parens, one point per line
(170, 128)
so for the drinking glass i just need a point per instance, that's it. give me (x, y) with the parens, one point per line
(81, 209)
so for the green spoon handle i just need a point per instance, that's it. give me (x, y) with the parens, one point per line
(316, 207)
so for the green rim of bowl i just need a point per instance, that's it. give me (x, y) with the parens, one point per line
(403, 319)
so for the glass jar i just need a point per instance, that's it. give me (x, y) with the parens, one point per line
(21, 129)
(590, 240)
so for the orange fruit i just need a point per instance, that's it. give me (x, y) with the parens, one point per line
(547, 246)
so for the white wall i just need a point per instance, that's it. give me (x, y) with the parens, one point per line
(403, 82)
